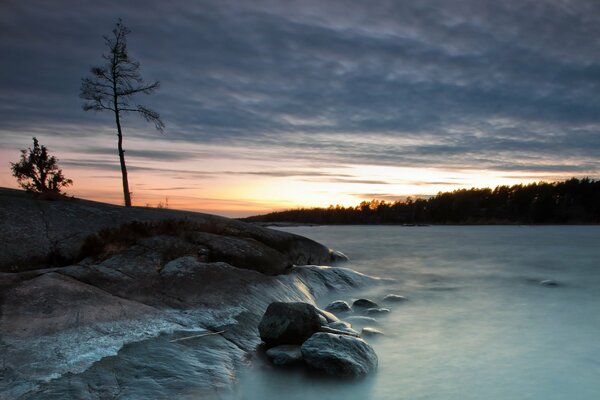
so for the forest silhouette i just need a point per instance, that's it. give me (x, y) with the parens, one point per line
(574, 201)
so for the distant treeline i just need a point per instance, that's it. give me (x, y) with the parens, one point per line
(569, 202)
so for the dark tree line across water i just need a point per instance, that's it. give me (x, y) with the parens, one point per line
(570, 202)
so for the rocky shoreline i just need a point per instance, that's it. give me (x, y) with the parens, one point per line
(165, 307)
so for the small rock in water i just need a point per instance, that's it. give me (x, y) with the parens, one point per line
(339, 306)
(367, 332)
(284, 354)
(288, 323)
(339, 354)
(548, 282)
(365, 303)
(339, 325)
(323, 320)
(394, 297)
(343, 326)
(329, 317)
(336, 256)
(378, 311)
(361, 320)
(344, 331)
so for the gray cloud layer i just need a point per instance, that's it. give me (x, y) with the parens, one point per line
(511, 85)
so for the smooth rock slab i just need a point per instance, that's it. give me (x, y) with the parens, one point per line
(338, 306)
(365, 303)
(289, 323)
(284, 354)
(339, 355)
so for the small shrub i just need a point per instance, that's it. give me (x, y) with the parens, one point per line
(38, 172)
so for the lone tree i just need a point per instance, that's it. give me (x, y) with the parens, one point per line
(38, 172)
(112, 88)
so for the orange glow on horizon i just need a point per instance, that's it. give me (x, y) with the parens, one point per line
(226, 181)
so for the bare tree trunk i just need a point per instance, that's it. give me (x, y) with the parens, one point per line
(126, 193)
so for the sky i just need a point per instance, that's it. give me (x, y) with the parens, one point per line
(272, 105)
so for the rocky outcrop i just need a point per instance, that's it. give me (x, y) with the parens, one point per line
(71, 329)
(168, 293)
(340, 355)
(37, 233)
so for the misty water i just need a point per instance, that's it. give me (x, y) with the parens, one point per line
(478, 324)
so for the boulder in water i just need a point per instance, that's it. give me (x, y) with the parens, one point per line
(548, 282)
(339, 306)
(289, 323)
(364, 303)
(284, 354)
(339, 355)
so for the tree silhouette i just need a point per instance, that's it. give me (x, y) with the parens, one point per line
(112, 88)
(38, 172)
(573, 201)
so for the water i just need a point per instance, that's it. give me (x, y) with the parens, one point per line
(478, 324)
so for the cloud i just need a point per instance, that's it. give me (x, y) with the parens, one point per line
(487, 85)
(156, 155)
(358, 181)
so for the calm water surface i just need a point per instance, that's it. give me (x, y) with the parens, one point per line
(478, 324)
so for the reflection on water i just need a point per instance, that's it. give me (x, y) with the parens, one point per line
(478, 325)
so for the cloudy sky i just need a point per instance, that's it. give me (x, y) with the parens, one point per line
(275, 104)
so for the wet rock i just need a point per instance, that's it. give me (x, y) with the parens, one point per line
(337, 256)
(344, 331)
(340, 325)
(329, 317)
(394, 298)
(289, 323)
(323, 320)
(284, 354)
(362, 320)
(370, 332)
(378, 311)
(339, 355)
(548, 282)
(364, 303)
(339, 306)
(343, 326)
